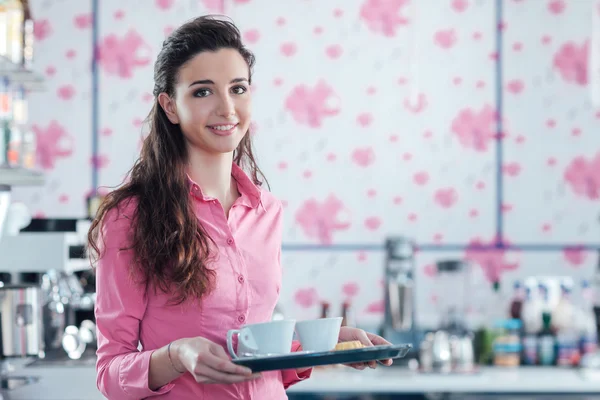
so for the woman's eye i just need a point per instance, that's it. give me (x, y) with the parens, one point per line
(201, 93)
(239, 90)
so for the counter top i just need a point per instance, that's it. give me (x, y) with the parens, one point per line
(487, 380)
(79, 383)
(56, 383)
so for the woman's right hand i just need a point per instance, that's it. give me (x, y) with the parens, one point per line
(208, 362)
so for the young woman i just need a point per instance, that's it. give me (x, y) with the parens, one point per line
(190, 246)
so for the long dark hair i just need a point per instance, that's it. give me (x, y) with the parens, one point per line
(164, 224)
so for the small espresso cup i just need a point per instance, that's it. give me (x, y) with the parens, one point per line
(319, 334)
(267, 338)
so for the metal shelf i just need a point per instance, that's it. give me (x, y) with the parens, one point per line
(20, 177)
(17, 74)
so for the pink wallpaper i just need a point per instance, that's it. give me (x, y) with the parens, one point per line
(372, 118)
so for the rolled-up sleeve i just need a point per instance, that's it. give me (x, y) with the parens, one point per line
(291, 376)
(122, 370)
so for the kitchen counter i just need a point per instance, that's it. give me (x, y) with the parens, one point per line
(79, 383)
(487, 380)
(69, 382)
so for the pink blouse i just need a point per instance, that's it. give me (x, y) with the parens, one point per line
(133, 323)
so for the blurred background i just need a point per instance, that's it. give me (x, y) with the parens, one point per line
(438, 161)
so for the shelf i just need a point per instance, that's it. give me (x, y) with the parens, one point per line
(20, 177)
(17, 74)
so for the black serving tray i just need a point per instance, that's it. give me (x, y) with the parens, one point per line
(312, 359)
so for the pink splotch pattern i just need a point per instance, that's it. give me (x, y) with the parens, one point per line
(119, 15)
(334, 51)
(556, 6)
(311, 105)
(376, 307)
(350, 289)
(421, 178)
(252, 36)
(83, 21)
(515, 86)
(373, 223)
(288, 49)
(512, 169)
(53, 143)
(214, 5)
(121, 56)
(583, 177)
(416, 106)
(364, 156)
(320, 220)
(445, 38)
(384, 17)
(475, 129)
(493, 262)
(575, 256)
(459, 5)
(364, 119)
(446, 197)
(164, 4)
(430, 270)
(100, 161)
(571, 61)
(306, 297)
(66, 92)
(42, 28)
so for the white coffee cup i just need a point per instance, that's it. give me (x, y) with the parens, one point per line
(319, 334)
(267, 338)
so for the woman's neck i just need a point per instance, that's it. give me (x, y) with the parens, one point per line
(213, 173)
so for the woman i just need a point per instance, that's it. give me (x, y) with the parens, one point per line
(189, 247)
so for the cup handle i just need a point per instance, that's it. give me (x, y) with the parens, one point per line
(230, 342)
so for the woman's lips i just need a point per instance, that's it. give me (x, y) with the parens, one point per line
(222, 129)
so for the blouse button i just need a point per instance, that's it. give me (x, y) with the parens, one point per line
(241, 318)
(241, 278)
(229, 241)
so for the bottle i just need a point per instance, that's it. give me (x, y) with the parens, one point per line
(596, 292)
(530, 311)
(497, 311)
(3, 30)
(587, 323)
(546, 338)
(565, 326)
(14, 34)
(347, 317)
(16, 117)
(563, 313)
(93, 202)
(28, 38)
(5, 121)
(324, 309)
(516, 306)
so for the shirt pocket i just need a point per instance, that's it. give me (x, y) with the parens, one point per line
(264, 278)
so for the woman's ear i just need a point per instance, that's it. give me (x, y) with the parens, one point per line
(168, 105)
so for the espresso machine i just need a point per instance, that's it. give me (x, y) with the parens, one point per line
(399, 324)
(21, 327)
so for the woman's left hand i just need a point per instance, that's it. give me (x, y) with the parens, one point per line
(367, 339)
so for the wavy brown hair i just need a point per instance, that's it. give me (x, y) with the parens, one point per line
(172, 251)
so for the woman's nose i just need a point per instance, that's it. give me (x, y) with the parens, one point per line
(226, 107)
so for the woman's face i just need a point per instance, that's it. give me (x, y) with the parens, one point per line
(212, 102)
